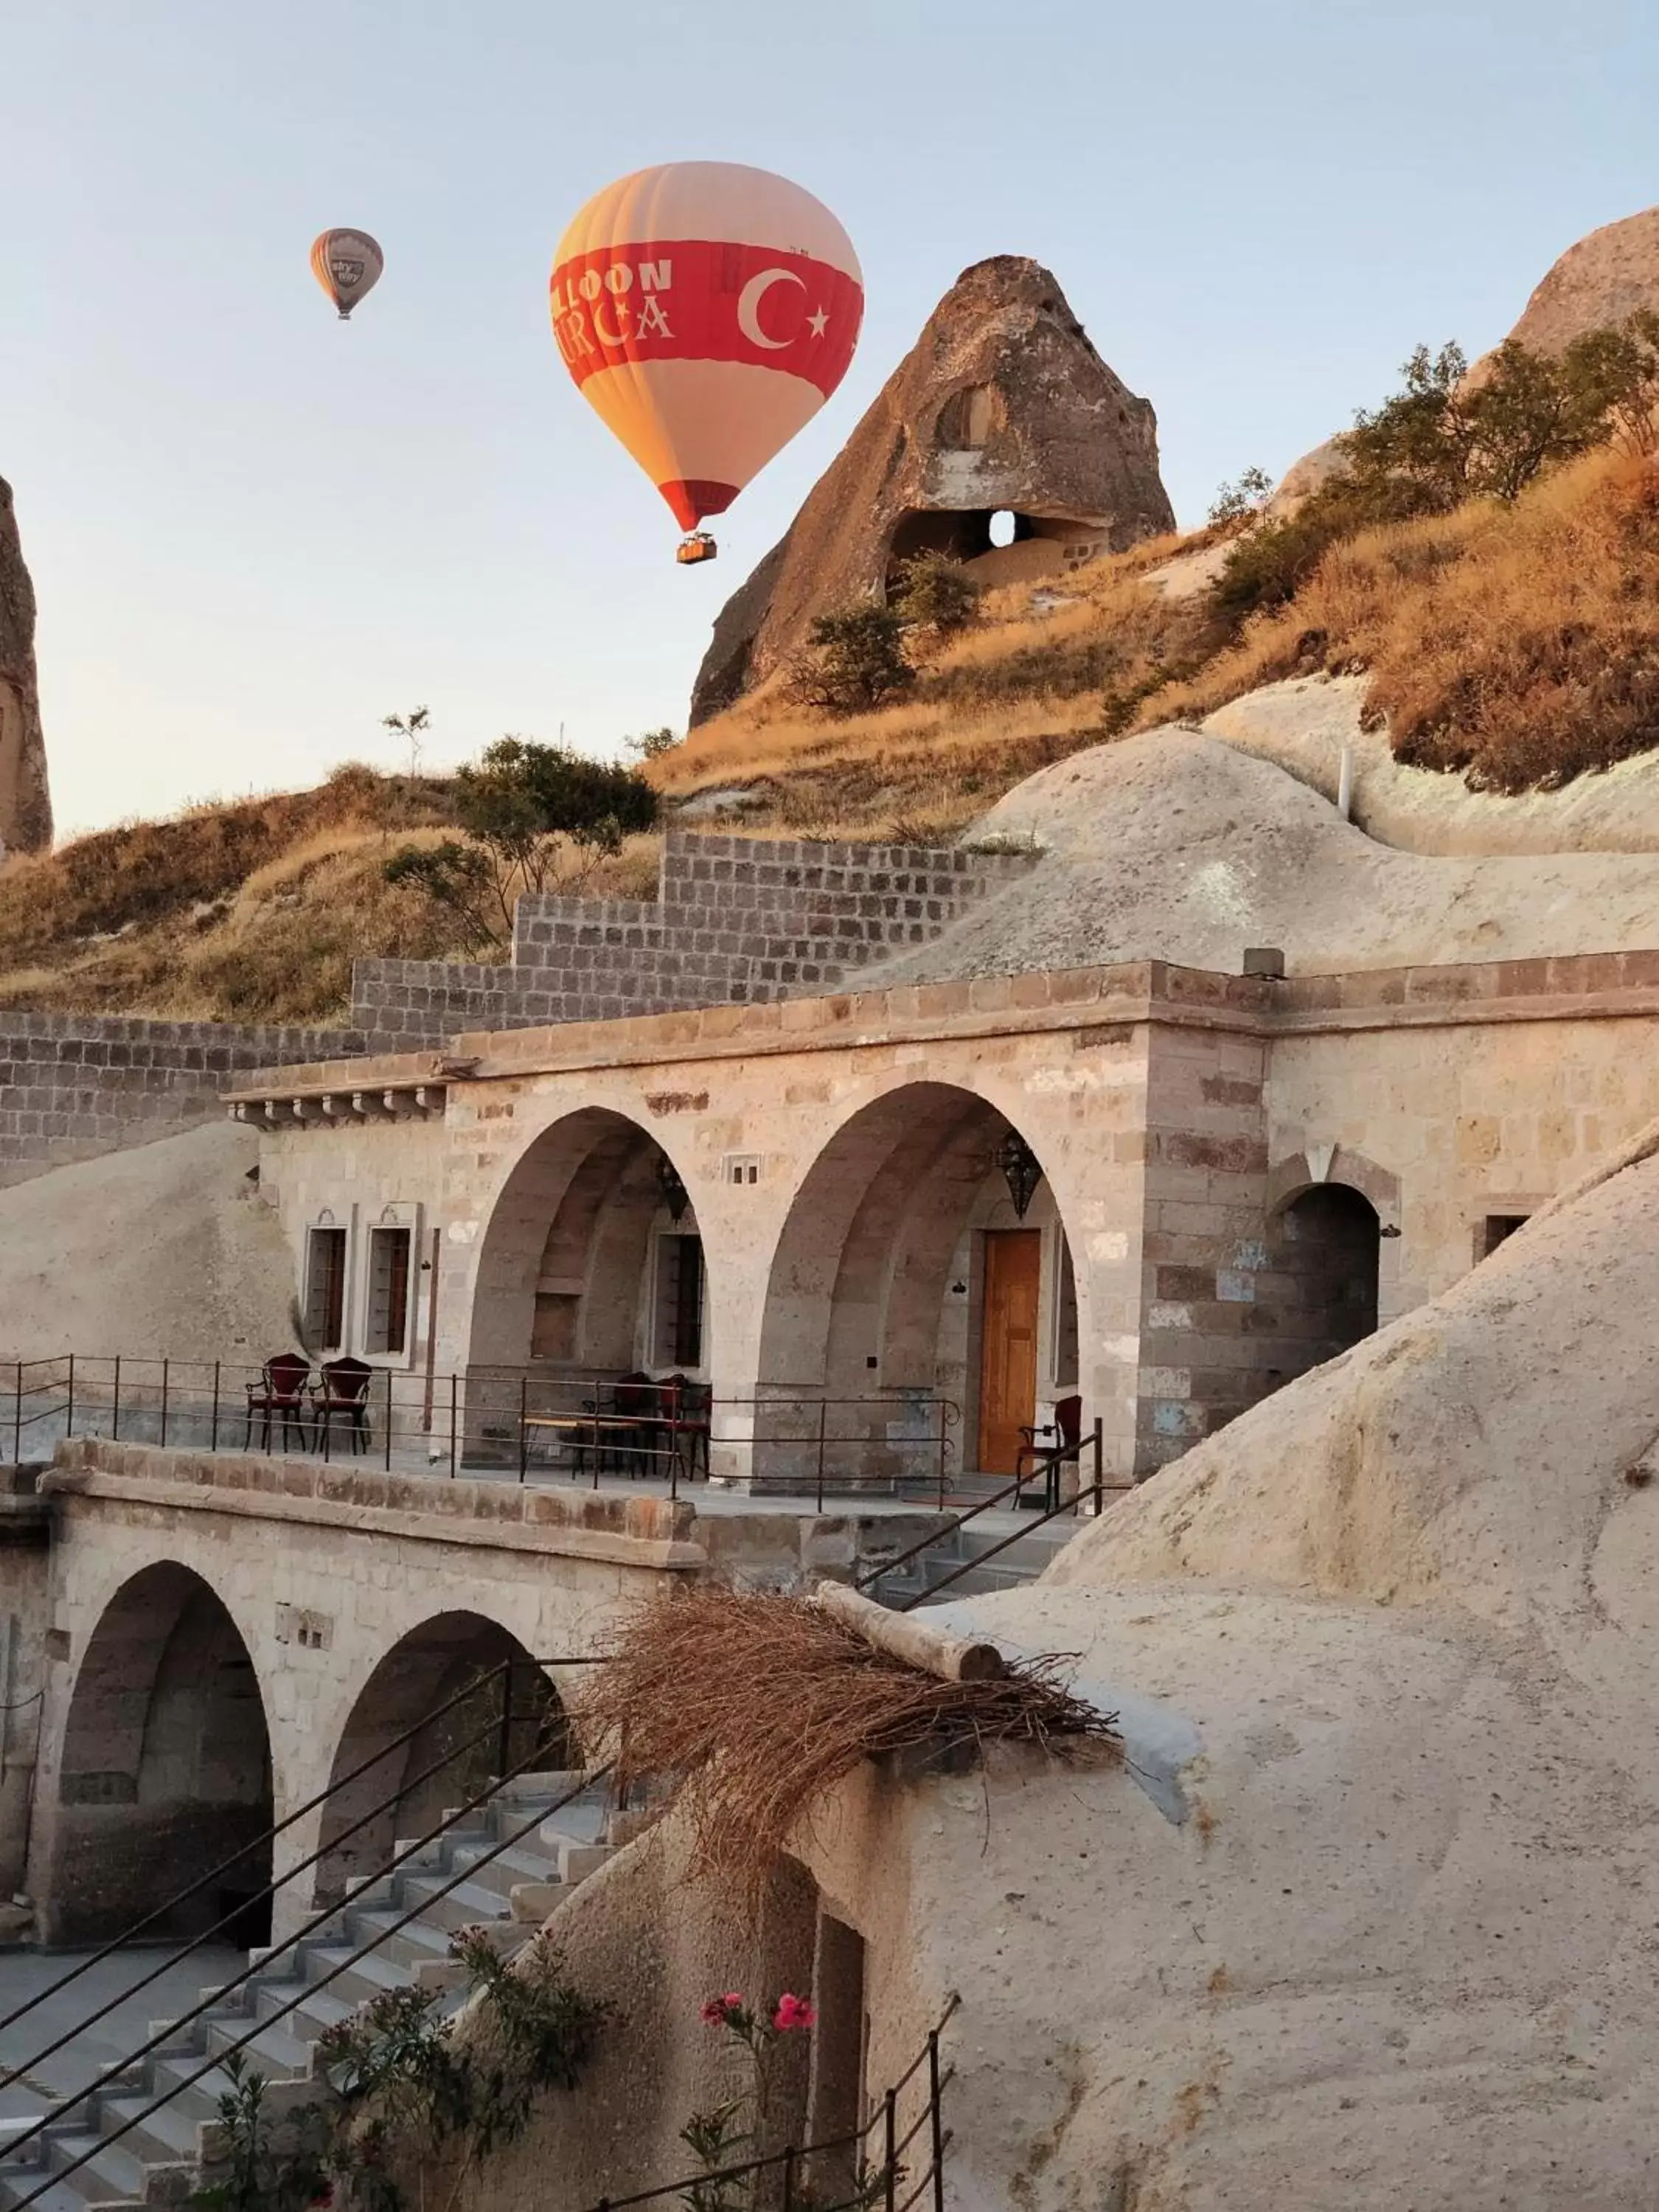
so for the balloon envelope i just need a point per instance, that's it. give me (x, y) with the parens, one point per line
(706, 311)
(347, 263)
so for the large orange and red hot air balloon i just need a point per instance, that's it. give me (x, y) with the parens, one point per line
(706, 312)
(347, 263)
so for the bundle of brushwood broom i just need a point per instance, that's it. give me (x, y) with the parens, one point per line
(747, 1707)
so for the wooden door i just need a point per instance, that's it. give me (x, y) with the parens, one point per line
(1008, 1354)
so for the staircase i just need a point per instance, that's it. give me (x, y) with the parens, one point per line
(1024, 1559)
(160, 2160)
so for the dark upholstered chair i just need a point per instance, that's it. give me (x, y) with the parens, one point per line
(1046, 1460)
(281, 1391)
(344, 1392)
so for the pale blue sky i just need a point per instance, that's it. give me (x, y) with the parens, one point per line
(254, 530)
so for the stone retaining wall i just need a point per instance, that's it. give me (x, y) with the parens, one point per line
(75, 1085)
(737, 920)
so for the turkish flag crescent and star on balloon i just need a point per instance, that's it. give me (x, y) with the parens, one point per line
(763, 320)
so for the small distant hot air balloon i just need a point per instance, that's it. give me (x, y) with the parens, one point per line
(347, 263)
(706, 312)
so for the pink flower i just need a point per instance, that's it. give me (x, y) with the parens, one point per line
(718, 2010)
(792, 2012)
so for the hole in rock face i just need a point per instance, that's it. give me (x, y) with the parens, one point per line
(1014, 546)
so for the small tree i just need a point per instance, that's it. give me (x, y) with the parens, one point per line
(854, 660)
(650, 745)
(521, 805)
(1237, 501)
(936, 593)
(411, 727)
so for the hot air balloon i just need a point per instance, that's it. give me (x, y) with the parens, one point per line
(706, 312)
(347, 263)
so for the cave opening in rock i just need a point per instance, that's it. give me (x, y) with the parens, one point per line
(1000, 545)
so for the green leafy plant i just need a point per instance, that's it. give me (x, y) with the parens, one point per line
(936, 594)
(523, 805)
(854, 659)
(396, 2074)
(651, 744)
(1447, 436)
(1236, 500)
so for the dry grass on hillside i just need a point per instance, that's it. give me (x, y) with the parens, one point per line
(248, 912)
(1020, 688)
(1516, 643)
(1519, 644)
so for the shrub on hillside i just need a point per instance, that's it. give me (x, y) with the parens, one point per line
(1237, 501)
(854, 660)
(1446, 437)
(522, 806)
(936, 594)
(1517, 641)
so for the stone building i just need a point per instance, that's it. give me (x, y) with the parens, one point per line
(1165, 1190)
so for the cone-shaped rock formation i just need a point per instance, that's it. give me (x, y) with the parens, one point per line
(25, 803)
(1001, 406)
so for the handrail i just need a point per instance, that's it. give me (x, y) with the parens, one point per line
(881, 2115)
(129, 1934)
(1096, 1489)
(492, 1727)
(939, 1536)
(201, 2010)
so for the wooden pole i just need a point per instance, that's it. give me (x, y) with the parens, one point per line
(903, 1636)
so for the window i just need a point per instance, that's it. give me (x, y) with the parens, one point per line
(388, 1291)
(678, 1336)
(1496, 1230)
(326, 1267)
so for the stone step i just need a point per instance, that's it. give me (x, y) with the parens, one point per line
(167, 2136)
(317, 2009)
(462, 1907)
(114, 2174)
(414, 1945)
(366, 1978)
(278, 2055)
(18, 2183)
(529, 1861)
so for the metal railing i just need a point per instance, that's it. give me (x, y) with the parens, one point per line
(216, 2001)
(887, 2182)
(1054, 1458)
(499, 1728)
(521, 1423)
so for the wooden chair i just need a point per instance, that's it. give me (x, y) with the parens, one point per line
(687, 1419)
(281, 1391)
(636, 1399)
(1047, 1459)
(344, 1390)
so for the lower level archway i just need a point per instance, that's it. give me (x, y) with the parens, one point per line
(1324, 1256)
(458, 1702)
(165, 1772)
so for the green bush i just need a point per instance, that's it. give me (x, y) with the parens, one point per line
(519, 805)
(936, 593)
(854, 659)
(1237, 501)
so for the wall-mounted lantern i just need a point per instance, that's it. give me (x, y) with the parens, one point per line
(1022, 1169)
(676, 1197)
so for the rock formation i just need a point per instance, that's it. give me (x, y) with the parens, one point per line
(1002, 405)
(1601, 279)
(1605, 277)
(24, 802)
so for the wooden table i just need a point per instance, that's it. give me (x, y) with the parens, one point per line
(587, 1429)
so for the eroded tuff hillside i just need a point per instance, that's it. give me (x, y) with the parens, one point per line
(249, 911)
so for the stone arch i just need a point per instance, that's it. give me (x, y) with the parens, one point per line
(875, 1278)
(431, 1757)
(563, 1277)
(165, 1769)
(1335, 1164)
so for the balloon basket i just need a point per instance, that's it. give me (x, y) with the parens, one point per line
(699, 546)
